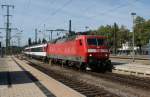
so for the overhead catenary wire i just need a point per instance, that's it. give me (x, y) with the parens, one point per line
(111, 10)
(56, 11)
(59, 9)
(86, 10)
(114, 9)
(79, 16)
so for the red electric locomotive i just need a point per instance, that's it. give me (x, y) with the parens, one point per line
(83, 51)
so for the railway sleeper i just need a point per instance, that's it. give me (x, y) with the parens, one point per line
(81, 86)
(70, 82)
(93, 90)
(89, 92)
(76, 85)
(84, 89)
(92, 93)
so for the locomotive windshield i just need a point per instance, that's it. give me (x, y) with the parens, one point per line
(96, 41)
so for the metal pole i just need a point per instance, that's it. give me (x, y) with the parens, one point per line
(1, 46)
(70, 27)
(8, 30)
(51, 35)
(115, 44)
(36, 34)
(133, 52)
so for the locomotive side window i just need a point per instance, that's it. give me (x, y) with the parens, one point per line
(39, 49)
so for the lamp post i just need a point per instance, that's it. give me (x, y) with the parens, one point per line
(133, 52)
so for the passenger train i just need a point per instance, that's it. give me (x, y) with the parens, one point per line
(82, 51)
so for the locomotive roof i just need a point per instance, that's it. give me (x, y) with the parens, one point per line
(93, 36)
(63, 39)
(73, 37)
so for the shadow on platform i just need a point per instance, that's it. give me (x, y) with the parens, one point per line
(16, 77)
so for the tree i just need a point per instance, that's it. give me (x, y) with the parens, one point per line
(123, 35)
(115, 38)
(146, 33)
(116, 35)
(139, 30)
(106, 31)
(139, 20)
(142, 31)
(39, 41)
(44, 40)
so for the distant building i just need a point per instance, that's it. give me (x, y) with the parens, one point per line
(146, 49)
(127, 48)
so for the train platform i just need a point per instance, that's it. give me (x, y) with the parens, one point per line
(18, 79)
(124, 64)
(137, 57)
(133, 68)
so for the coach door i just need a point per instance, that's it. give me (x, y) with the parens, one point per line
(80, 49)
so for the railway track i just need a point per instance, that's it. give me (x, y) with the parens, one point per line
(78, 85)
(132, 81)
(129, 81)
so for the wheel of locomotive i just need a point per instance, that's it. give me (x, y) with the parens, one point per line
(77, 65)
(44, 59)
(54, 61)
(109, 66)
(99, 67)
(66, 62)
(70, 63)
(104, 67)
(83, 66)
(50, 61)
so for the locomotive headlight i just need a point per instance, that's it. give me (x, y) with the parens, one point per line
(90, 55)
(106, 55)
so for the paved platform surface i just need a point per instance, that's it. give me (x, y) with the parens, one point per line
(57, 88)
(144, 57)
(119, 59)
(22, 80)
(133, 68)
(14, 82)
(124, 65)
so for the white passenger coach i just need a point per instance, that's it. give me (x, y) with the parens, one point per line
(37, 50)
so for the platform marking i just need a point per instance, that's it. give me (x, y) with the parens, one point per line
(38, 84)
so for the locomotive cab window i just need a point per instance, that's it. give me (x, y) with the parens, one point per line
(92, 41)
(96, 41)
(101, 42)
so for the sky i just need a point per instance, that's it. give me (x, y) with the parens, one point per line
(55, 14)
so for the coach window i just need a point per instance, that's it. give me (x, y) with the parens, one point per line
(80, 41)
(39, 49)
